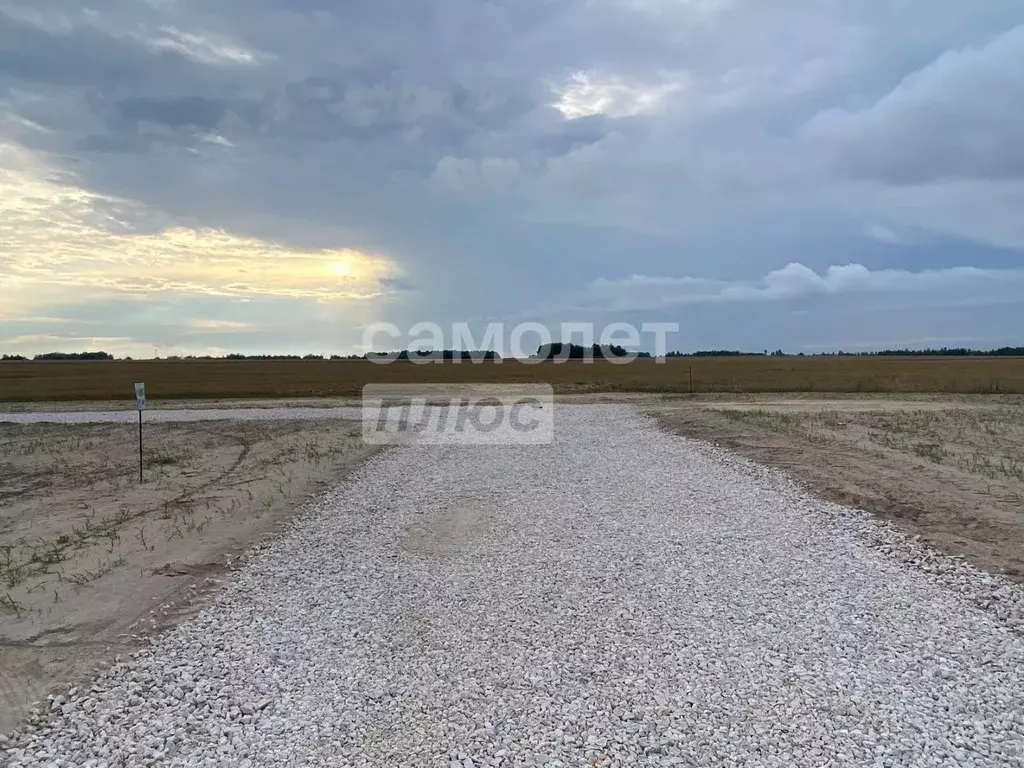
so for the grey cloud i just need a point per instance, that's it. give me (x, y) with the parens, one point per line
(400, 104)
(574, 134)
(83, 58)
(193, 111)
(982, 210)
(142, 125)
(96, 51)
(397, 284)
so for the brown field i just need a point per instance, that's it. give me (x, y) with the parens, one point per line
(25, 381)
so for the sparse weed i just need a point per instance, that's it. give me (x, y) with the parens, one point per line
(9, 604)
(97, 463)
(931, 451)
(161, 459)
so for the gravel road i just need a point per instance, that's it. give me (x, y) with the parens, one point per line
(178, 415)
(622, 597)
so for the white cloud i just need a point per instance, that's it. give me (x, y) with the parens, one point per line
(588, 93)
(222, 326)
(960, 117)
(216, 139)
(952, 286)
(203, 47)
(40, 340)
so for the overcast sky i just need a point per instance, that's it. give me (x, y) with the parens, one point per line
(274, 175)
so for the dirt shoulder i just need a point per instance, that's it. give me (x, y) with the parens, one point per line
(92, 562)
(950, 470)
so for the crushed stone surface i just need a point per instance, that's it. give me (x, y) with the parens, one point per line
(620, 597)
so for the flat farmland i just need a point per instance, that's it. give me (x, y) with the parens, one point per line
(36, 381)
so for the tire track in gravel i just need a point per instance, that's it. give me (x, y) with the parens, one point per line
(621, 597)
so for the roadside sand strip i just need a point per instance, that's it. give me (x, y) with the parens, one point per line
(158, 416)
(92, 561)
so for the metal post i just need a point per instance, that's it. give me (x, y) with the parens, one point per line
(691, 381)
(140, 445)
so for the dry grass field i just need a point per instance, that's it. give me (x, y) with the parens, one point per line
(34, 381)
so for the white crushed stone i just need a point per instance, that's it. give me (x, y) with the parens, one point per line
(622, 597)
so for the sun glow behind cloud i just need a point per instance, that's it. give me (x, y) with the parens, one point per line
(587, 93)
(61, 243)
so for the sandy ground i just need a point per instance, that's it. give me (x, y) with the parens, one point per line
(125, 409)
(91, 562)
(180, 415)
(949, 469)
(294, 403)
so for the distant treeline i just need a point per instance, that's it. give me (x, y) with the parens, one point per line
(238, 356)
(446, 354)
(556, 351)
(437, 354)
(562, 351)
(952, 352)
(716, 353)
(61, 356)
(943, 352)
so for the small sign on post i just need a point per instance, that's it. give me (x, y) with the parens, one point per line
(140, 396)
